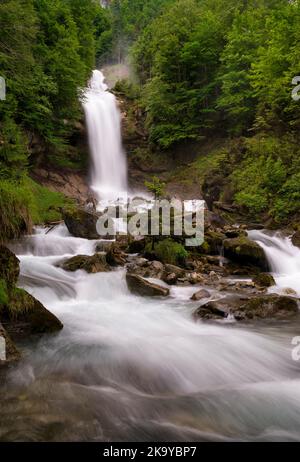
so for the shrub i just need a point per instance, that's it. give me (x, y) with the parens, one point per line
(168, 251)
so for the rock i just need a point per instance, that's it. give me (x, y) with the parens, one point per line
(24, 315)
(214, 242)
(267, 307)
(81, 223)
(264, 280)
(95, 264)
(9, 267)
(8, 351)
(115, 256)
(103, 246)
(244, 251)
(296, 239)
(139, 286)
(170, 279)
(249, 308)
(200, 295)
(137, 245)
(289, 291)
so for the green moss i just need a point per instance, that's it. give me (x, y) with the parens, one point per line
(3, 292)
(168, 251)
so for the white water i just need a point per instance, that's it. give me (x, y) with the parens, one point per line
(283, 257)
(109, 169)
(127, 368)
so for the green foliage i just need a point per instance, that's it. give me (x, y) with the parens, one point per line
(168, 251)
(3, 293)
(156, 187)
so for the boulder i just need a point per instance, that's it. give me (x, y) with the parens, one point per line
(81, 223)
(202, 293)
(267, 307)
(115, 256)
(139, 286)
(9, 267)
(95, 264)
(246, 252)
(24, 315)
(296, 239)
(264, 280)
(249, 308)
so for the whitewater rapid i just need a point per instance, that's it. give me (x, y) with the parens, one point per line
(127, 368)
(103, 121)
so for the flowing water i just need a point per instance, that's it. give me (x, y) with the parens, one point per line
(103, 120)
(126, 368)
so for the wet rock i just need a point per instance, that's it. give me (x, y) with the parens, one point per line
(244, 251)
(289, 291)
(296, 239)
(81, 223)
(267, 307)
(8, 350)
(115, 256)
(103, 246)
(170, 279)
(9, 267)
(249, 308)
(95, 264)
(137, 245)
(200, 295)
(213, 242)
(24, 315)
(264, 280)
(139, 286)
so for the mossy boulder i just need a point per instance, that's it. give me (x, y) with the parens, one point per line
(296, 239)
(24, 315)
(214, 241)
(268, 307)
(81, 223)
(271, 307)
(167, 251)
(9, 267)
(139, 286)
(246, 252)
(94, 264)
(264, 280)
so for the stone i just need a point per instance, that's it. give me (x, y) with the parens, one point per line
(202, 293)
(264, 280)
(115, 256)
(246, 252)
(95, 264)
(81, 223)
(139, 286)
(296, 239)
(9, 267)
(24, 316)
(267, 307)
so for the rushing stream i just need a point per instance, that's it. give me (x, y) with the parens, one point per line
(129, 368)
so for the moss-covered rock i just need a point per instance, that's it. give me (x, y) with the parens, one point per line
(264, 280)
(24, 315)
(268, 307)
(246, 252)
(167, 251)
(139, 286)
(296, 239)
(94, 264)
(9, 267)
(81, 223)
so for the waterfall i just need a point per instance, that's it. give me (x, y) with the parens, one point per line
(109, 169)
(283, 256)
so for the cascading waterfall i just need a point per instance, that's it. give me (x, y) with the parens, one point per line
(109, 169)
(283, 256)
